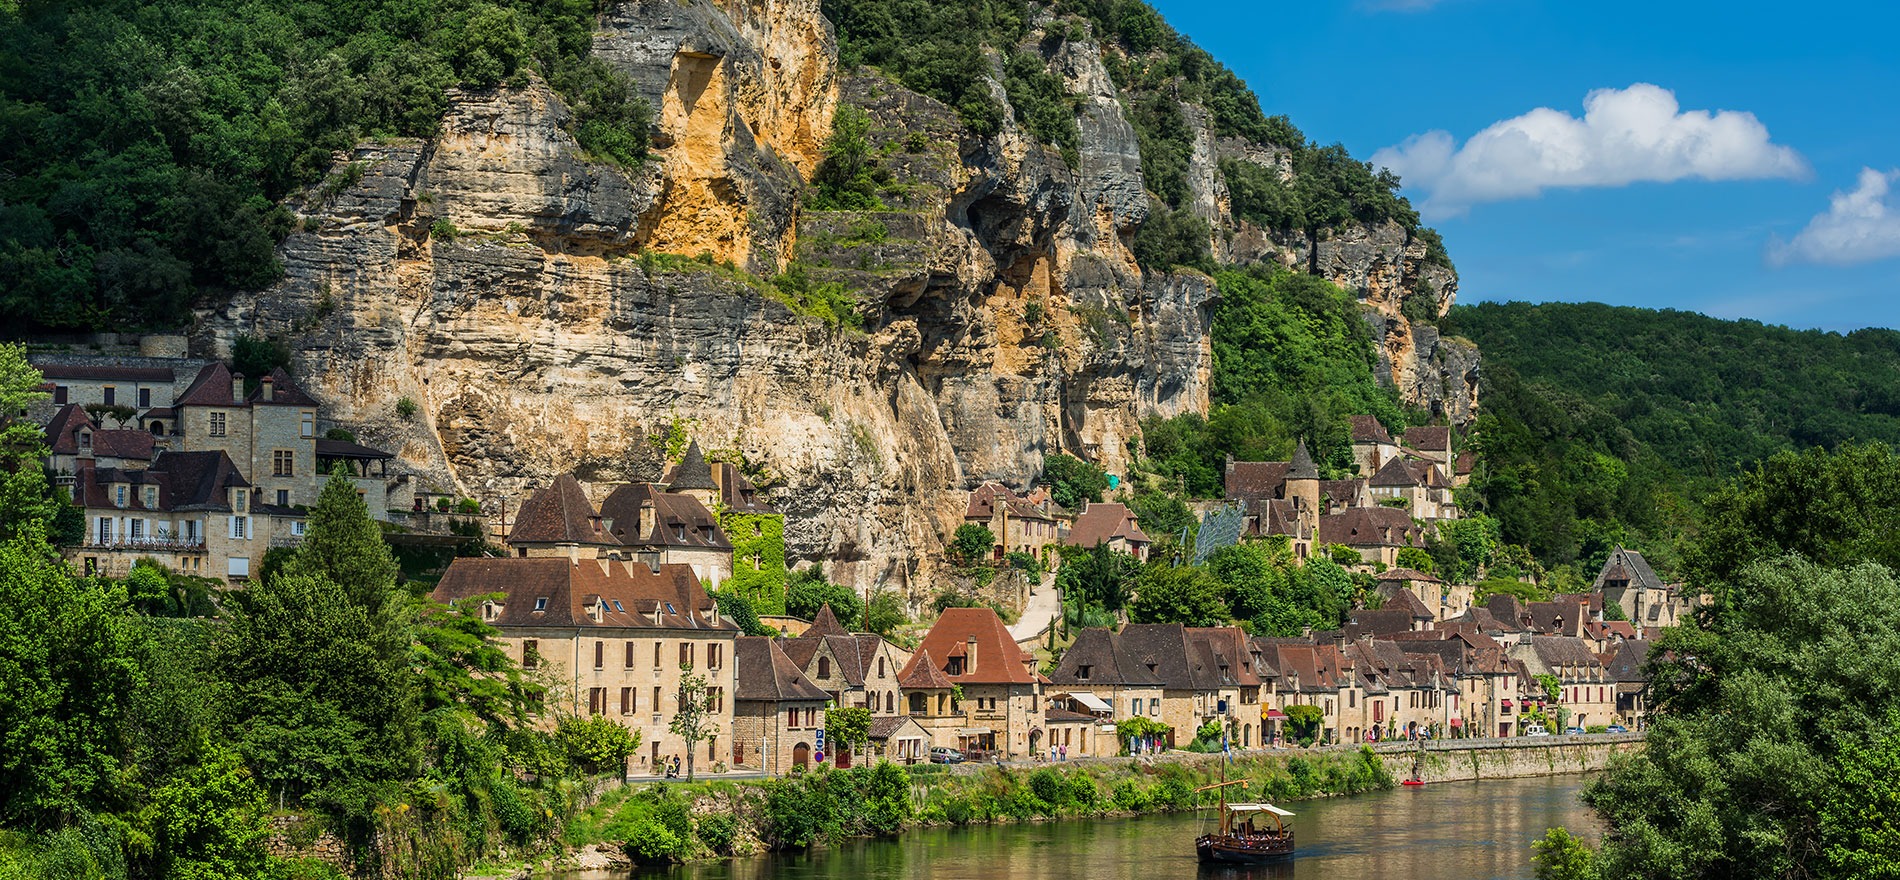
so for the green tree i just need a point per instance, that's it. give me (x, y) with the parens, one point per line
(1833, 508)
(210, 821)
(885, 613)
(343, 544)
(807, 590)
(1559, 855)
(1769, 717)
(848, 728)
(693, 721)
(1097, 576)
(1073, 481)
(972, 543)
(597, 744)
(1186, 594)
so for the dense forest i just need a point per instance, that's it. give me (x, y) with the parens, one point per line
(1605, 425)
(152, 142)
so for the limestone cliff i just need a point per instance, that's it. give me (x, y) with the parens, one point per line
(547, 312)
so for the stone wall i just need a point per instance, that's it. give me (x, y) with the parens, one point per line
(1464, 760)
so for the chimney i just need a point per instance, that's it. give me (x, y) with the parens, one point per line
(237, 387)
(270, 390)
(970, 649)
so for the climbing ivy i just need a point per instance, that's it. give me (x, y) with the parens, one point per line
(762, 534)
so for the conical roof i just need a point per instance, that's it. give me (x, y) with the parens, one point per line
(692, 472)
(1302, 467)
(923, 675)
(824, 623)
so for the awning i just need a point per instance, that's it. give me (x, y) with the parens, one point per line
(1275, 713)
(1457, 722)
(1505, 703)
(1257, 808)
(975, 731)
(1095, 703)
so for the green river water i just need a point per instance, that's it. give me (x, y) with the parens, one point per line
(1462, 830)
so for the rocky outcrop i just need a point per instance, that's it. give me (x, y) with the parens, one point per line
(546, 312)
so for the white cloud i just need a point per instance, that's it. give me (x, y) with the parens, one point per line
(1625, 136)
(1860, 226)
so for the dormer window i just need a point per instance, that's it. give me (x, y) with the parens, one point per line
(541, 603)
(1082, 673)
(954, 667)
(85, 439)
(151, 496)
(118, 495)
(618, 608)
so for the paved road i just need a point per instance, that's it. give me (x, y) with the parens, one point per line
(1044, 605)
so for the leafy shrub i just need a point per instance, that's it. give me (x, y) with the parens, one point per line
(650, 842)
(1173, 238)
(1129, 796)
(443, 230)
(717, 831)
(406, 407)
(596, 744)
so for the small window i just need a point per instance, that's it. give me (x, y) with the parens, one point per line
(669, 608)
(59, 394)
(111, 395)
(600, 655)
(283, 463)
(629, 655)
(824, 667)
(85, 439)
(541, 603)
(217, 424)
(283, 497)
(618, 607)
(118, 496)
(151, 496)
(309, 424)
(145, 398)
(530, 653)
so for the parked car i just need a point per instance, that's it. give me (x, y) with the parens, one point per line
(945, 755)
(1574, 731)
(1535, 730)
(1616, 728)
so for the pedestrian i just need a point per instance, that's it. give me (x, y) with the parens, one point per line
(1052, 753)
(1065, 751)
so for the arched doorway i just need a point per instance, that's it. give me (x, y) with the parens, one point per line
(1035, 741)
(801, 756)
(1246, 736)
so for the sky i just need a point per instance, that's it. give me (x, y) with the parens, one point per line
(1738, 159)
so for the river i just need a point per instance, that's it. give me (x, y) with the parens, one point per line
(1445, 831)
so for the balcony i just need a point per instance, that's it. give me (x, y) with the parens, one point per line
(289, 541)
(144, 545)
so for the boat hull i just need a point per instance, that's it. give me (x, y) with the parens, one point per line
(1236, 851)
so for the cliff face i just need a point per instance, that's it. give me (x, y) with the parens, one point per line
(545, 312)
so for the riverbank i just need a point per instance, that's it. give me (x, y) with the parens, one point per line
(714, 819)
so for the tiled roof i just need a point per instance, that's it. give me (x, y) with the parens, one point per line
(1464, 464)
(1371, 526)
(327, 448)
(211, 388)
(186, 481)
(1398, 598)
(1106, 655)
(1345, 493)
(285, 391)
(1162, 650)
(1255, 479)
(1228, 656)
(1099, 523)
(1429, 438)
(1406, 574)
(824, 623)
(1509, 612)
(644, 515)
(559, 514)
(670, 598)
(691, 473)
(1557, 651)
(1627, 659)
(123, 443)
(923, 674)
(998, 660)
(62, 433)
(1383, 621)
(769, 675)
(1367, 429)
(883, 727)
(1302, 466)
(737, 493)
(55, 370)
(1627, 565)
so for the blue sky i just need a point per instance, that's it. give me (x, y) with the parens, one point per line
(1705, 210)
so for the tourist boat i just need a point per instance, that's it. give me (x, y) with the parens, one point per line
(1244, 837)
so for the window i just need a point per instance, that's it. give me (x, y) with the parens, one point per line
(1154, 706)
(118, 496)
(626, 701)
(191, 531)
(240, 528)
(1135, 706)
(824, 667)
(629, 655)
(239, 498)
(712, 656)
(217, 424)
(105, 530)
(530, 652)
(85, 439)
(309, 424)
(283, 497)
(151, 497)
(791, 719)
(600, 654)
(716, 698)
(1082, 672)
(686, 654)
(656, 656)
(880, 667)
(59, 394)
(890, 703)
(283, 463)
(917, 704)
(755, 562)
(145, 398)
(541, 603)
(111, 395)
(656, 699)
(596, 700)
(138, 529)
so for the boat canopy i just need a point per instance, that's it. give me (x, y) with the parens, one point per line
(1257, 808)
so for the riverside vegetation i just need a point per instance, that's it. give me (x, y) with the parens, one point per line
(675, 822)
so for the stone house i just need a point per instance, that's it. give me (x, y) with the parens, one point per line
(1445, 601)
(638, 521)
(1584, 685)
(1100, 666)
(1405, 693)
(611, 637)
(1378, 533)
(756, 531)
(271, 433)
(930, 700)
(1019, 524)
(900, 739)
(1488, 683)
(776, 710)
(1431, 443)
(1316, 674)
(1628, 582)
(1206, 674)
(1624, 665)
(1111, 524)
(147, 386)
(859, 670)
(1001, 704)
(192, 512)
(1372, 446)
(1420, 488)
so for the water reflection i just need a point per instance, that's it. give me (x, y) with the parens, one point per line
(1447, 831)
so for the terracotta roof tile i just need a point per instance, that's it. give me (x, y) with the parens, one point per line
(923, 674)
(769, 675)
(644, 515)
(670, 598)
(1105, 522)
(998, 660)
(1367, 429)
(559, 514)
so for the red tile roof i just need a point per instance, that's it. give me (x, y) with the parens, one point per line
(211, 388)
(1371, 526)
(1367, 429)
(923, 674)
(1100, 523)
(670, 598)
(559, 514)
(642, 514)
(769, 675)
(1429, 438)
(998, 660)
